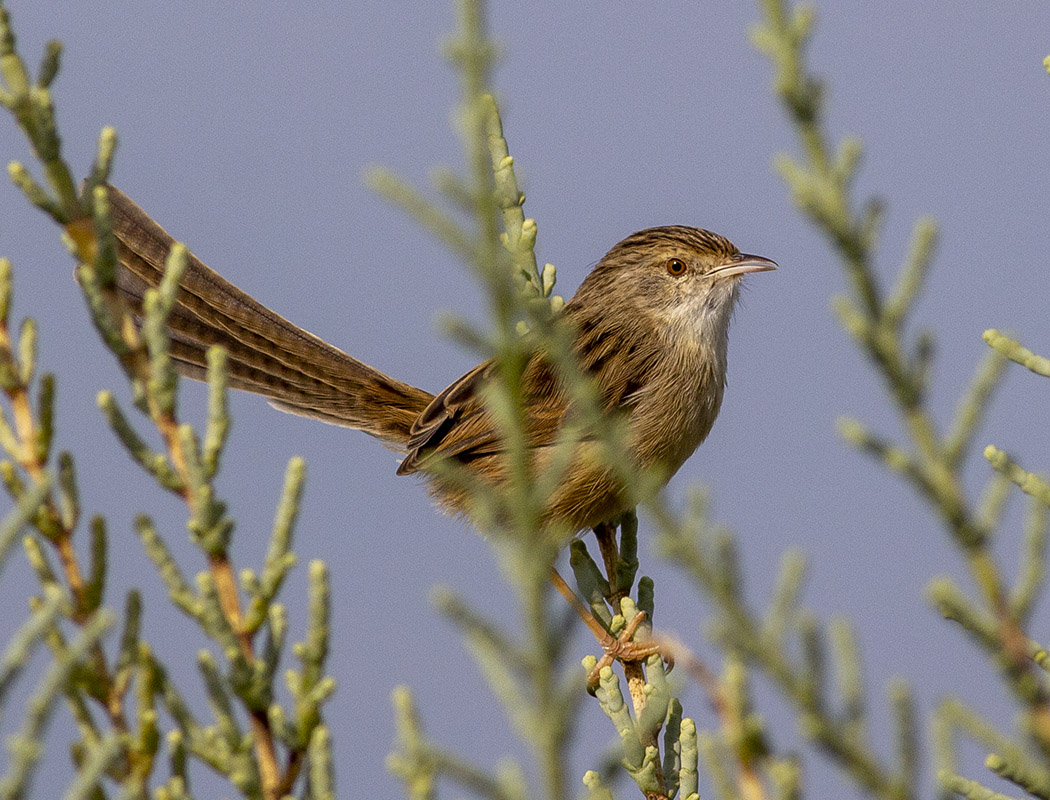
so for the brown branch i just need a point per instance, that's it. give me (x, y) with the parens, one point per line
(274, 784)
(108, 694)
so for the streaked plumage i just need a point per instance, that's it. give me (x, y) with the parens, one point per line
(654, 340)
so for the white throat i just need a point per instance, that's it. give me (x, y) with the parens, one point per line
(699, 328)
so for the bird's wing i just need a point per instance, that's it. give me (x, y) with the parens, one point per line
(458, 424)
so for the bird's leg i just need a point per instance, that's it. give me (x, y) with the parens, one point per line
(581, 610)
(605, 534)
(621, 648)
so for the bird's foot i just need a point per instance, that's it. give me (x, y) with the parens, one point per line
(623, 648)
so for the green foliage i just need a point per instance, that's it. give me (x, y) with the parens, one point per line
(930, 461)
(259, 747)
(132, 721)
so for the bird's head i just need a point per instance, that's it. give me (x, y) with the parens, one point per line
(683, 279)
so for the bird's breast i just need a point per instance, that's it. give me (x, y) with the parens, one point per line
(676, 413)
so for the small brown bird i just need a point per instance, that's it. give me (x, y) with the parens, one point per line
(651, 322)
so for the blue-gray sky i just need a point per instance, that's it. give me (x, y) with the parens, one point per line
(245, 130)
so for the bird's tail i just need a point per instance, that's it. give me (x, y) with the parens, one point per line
(267, 354)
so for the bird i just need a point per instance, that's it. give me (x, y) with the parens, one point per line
(650, 326)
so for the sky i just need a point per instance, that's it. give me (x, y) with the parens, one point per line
(245, 130)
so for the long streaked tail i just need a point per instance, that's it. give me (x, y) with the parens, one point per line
(268, 355)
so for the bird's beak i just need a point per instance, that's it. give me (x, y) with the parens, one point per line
(742, 263)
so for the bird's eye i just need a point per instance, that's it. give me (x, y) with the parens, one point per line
(676, 267)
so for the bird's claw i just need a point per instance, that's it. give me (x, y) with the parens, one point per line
(623, 648)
